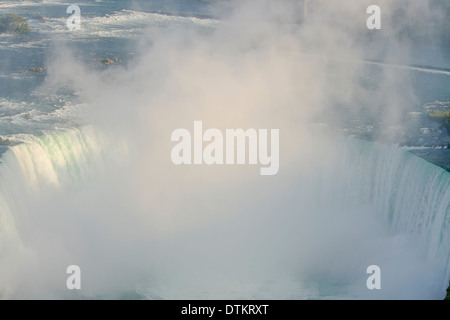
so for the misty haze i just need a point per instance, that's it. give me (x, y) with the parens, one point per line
(360, 176)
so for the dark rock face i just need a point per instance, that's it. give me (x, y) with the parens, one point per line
(38, 18)
(447, 297)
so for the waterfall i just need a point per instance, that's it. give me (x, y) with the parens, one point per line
(410, 193)
(46, 181)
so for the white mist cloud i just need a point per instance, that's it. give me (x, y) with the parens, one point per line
(180, 230)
